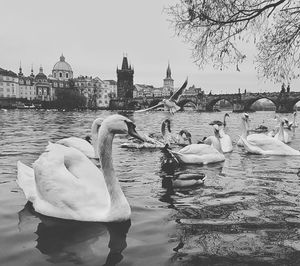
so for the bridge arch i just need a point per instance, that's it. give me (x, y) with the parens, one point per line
(295, 103)
(250, 102)
(185, 102)
(210, 105)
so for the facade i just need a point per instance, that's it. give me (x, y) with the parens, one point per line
(26, 86)
(144, 91)
(62, 70)
(125, 80)
(43, 87)
(9, 84)
(97, 92)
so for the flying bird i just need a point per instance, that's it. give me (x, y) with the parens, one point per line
(171, 103)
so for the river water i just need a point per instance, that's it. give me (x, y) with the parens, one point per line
(247, 212)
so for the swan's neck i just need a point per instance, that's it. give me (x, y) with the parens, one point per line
(281, 132)
(94, 132)
(224, 122)
(105, 155)
(245, 129)
(215, 142)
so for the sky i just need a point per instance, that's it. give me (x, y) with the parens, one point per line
(94, 35)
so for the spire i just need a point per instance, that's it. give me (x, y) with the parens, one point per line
(62, 58)
(168, 71)
(41, 69)
(125, 63)
(32, 75)
(20, 70)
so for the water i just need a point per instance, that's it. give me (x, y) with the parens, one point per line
(246, 213)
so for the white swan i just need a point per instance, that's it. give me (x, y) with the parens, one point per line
(89, 149)
(282, 133)
(201, 153)
(225, 140)
(263, 144)
(64, 183)
(293, 124)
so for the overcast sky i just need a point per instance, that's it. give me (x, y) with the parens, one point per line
(93, 35)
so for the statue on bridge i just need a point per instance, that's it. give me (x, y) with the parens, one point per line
(171, 103)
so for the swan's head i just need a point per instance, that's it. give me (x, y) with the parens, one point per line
(226, 115)
(166, 124)
(286, 121)
(186, 135)
(118, 124)
(245, 117)
(216, 131)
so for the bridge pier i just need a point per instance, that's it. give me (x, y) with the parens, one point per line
(238, 108)
(284, 108)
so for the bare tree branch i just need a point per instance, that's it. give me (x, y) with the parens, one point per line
(216, 28)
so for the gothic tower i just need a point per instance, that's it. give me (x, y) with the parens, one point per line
(168, 81)
(125, 80)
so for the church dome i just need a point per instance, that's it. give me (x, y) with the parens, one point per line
(62, 65)
(41, 75)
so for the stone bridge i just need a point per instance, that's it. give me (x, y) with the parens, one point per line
(241, 102)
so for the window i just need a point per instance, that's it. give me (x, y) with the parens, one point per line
(67, 75)
(54, 74)
(60, 74)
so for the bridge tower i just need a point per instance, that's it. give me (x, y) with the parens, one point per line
(125, 80)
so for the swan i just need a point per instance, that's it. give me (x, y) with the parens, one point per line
(183, 138)
(245, 131)
(225, 140)
(84, 145)
(282, 133)
(263, 144)
(201, 153)
(65, 184)
(294, 123)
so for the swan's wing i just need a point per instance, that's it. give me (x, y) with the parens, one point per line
(79, 144)
(69, 185)
(197, 149)
(176, 95)
(150, 108)
(265, 142)
(25, 180)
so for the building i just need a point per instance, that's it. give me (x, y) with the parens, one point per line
(111, 85)
(43, 88)
(125, 80)
(62, 70)
(26, 86)
(168, 84)
(107, 92)
(144, 91)
(9, 84)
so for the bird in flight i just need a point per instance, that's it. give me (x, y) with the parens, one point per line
(171, 103)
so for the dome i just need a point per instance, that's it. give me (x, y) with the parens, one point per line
(41, 75)
(62, 65)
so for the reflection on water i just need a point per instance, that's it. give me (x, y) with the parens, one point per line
(247, 212)
(71, 241)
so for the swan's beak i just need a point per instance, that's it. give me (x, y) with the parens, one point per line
(132, 132)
